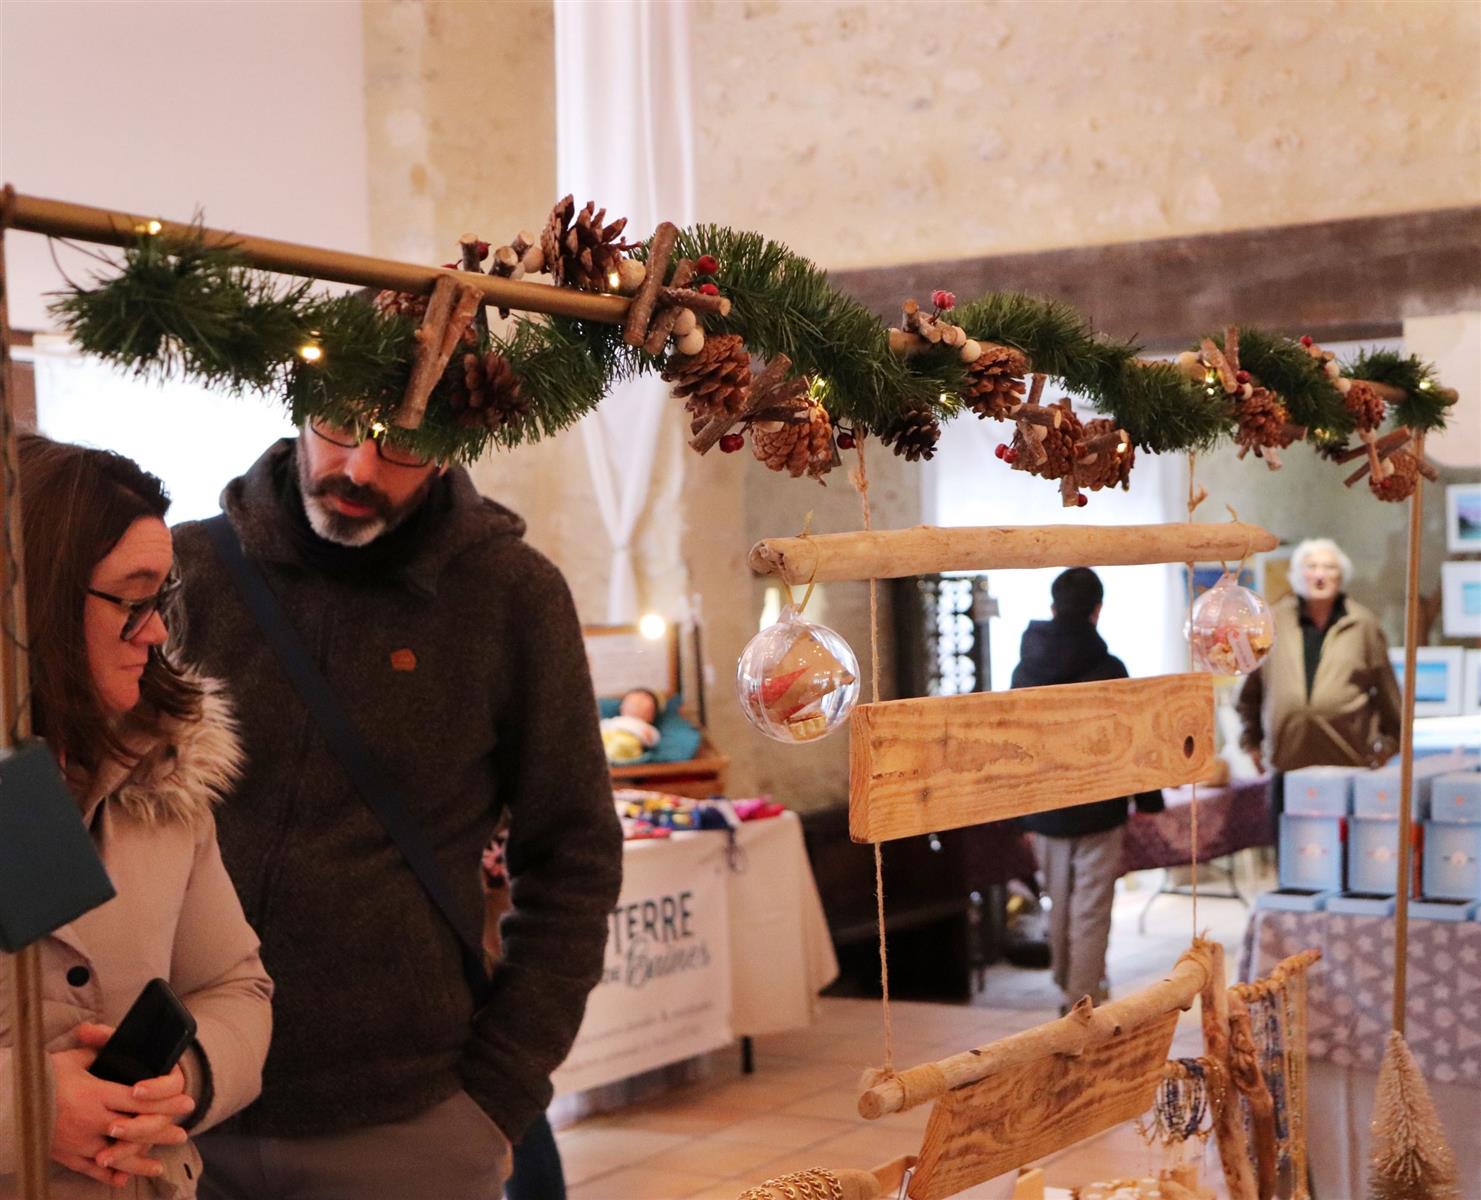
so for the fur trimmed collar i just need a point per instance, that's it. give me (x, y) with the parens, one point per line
(181, 773)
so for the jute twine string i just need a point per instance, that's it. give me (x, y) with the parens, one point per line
(1194, 500)
(860, 479)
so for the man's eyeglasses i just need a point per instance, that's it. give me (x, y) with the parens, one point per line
(347, 437)
(139, 611)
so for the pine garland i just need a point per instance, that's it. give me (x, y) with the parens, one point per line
(1420, 409)
(1286, 368)
(178, 307)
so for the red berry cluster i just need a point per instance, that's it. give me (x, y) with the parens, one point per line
(732, 442)
(943, 300)
(1241, 376)
(846, 440)
(1006, 453)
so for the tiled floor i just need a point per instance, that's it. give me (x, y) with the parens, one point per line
(714, 1138)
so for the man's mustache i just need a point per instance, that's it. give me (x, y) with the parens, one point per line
(356, 493)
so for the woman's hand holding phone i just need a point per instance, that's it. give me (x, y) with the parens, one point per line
(90, 1110)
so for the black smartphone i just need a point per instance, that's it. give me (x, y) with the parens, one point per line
(149, 1040)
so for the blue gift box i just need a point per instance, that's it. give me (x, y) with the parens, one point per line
(1376, 793)
(1373, 856)
(1361, 906)
(1319, 791)
(1311, 853)
(1456, 797)
(1283, 900)
(1452, 861)
(1442, 910)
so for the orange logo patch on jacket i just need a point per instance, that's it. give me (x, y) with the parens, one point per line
(404, 659)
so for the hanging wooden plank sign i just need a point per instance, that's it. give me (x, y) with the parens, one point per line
(921, 766)
(977, 1132)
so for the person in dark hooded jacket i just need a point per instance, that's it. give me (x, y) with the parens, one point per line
(1080, 847)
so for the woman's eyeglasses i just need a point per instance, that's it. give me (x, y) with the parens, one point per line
(347, 437)
(139, 611)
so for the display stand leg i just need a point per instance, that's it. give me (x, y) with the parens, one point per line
(748, 1056)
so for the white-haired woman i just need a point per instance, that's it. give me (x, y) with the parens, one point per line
(1326, 695)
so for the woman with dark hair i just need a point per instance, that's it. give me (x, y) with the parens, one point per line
(147, 749)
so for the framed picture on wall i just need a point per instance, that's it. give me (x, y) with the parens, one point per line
(1470, 688)
(1205, 575)
(1461, 587)
(1463, 518)
(1437, 671)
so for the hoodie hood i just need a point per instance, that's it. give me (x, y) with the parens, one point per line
(183, 771)
(1055, 652)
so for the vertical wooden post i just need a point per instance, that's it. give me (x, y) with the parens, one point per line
(1406, 746)
(15, 724)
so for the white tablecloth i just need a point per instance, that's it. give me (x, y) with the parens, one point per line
(711, 940)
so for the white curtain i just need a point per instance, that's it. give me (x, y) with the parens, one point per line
(1142, 621)
(624, 139)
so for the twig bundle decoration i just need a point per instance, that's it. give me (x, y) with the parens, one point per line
(441, 382)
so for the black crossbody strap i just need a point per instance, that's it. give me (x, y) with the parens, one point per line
(370, 779)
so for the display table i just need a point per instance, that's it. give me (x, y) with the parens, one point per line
(1350, 1004)
(712, 939)
(1231, 817)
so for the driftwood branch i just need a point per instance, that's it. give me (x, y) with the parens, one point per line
(640, 311)
(927, 550)
(449, 312)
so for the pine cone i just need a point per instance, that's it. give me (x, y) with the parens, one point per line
(1400, 485)
(1365, 404)
(488, 394)
(400, 304)
(1332, 451)
(803, 447)
(1110, 468)
(1263, 421)
(995, 381)
(913, 435)
(584, 253)
(716, 381)
(1058, 445)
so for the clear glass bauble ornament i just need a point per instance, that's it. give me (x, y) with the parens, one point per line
(797, 681)
(1231, 629)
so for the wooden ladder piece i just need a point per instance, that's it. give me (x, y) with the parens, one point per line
(925, 765)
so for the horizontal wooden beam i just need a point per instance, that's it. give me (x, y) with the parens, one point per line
(1344, 280)
(921, 766)
(928, 550)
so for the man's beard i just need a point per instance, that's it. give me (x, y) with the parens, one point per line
(344, 530)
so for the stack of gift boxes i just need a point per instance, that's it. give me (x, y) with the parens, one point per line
(1339, 840)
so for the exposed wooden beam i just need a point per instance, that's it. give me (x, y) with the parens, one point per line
(1335, 280)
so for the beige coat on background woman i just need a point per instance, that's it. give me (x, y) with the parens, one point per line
(177, 917)
(1353, 715)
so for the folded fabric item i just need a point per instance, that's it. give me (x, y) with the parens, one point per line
(627, 739)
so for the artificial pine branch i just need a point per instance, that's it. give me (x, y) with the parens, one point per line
(1423, 406)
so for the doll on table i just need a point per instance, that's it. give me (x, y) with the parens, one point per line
(634, 730)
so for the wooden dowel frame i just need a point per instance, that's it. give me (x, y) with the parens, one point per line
(59, 218)
(928, 550)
